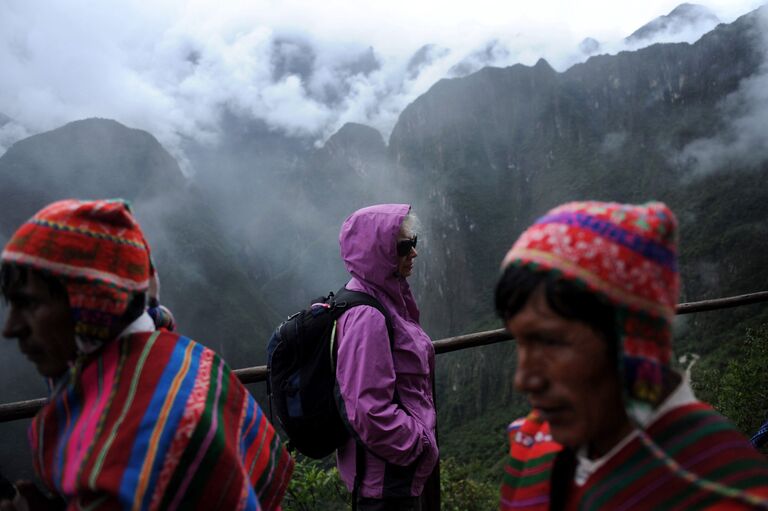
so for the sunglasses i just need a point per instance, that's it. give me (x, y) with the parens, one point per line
(404, 246)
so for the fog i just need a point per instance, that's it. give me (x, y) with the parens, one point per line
(246, 97)
(742, 140)
(303, 68)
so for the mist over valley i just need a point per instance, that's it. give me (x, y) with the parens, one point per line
(242, 204)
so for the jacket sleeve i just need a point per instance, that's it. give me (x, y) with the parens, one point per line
(366, 378)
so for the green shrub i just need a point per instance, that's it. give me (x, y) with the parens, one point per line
(315, 487)
(460, 491)
(738, 388)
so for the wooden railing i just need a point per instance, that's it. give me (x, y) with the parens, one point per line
(27, 409)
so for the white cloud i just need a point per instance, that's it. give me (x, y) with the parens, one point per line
(10, 132)
(743, 142)
(172, 67)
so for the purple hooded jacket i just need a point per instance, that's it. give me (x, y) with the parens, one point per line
(399, 434)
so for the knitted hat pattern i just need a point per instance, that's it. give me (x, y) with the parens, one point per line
(628, 255)
(99, 253)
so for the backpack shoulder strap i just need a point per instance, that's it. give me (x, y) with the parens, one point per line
(346, 299)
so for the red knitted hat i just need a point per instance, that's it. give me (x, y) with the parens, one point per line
(96, 249)
(628, 254)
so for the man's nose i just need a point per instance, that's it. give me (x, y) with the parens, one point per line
(13, 327)
(530, 377)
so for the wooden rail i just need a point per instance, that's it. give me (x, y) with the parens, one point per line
(27, 409)
(722, 303)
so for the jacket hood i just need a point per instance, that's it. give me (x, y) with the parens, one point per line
(368, 242)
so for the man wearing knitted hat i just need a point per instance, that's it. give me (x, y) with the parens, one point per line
(589, 293)
(138, 418)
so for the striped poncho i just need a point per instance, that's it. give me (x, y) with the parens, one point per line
(702, 446)
(157, 421)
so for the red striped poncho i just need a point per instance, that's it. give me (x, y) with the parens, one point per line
(158, 421)
(702, 443)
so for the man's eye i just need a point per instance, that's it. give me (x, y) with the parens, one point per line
(21, 302)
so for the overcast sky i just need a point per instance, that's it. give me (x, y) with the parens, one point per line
(303, 66)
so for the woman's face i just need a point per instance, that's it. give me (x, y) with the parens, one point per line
(406, 250)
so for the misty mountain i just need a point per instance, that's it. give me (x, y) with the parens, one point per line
(424, 57)
(479, 157)
(492, 151)
(352, 170)
(681, 17)
(93, 158)
(212, 294)
(493, 51)
(292, 57)
(510, 143)
(251, 235)
(589, 46)
(100, 158)
(273, 214)
(356, 146)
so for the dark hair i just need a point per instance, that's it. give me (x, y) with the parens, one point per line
(13, 274)
(564, 297)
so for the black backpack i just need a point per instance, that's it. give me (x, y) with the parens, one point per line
(301, 373)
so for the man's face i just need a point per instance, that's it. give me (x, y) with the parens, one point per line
(564, 368)
(42, 324)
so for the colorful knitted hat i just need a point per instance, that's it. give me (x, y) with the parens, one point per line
(97, 250)
(627, 254)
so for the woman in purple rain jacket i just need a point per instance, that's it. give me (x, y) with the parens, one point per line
(386, 393)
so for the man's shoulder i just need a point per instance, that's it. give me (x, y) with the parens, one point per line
(690, 416)
(691, 449)
(694, 429)
(162, 340)
(161, 351)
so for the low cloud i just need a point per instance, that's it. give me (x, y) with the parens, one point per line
(175, 68)
(10, 132)
(743, 141)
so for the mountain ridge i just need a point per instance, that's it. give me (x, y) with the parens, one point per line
(685, 14)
